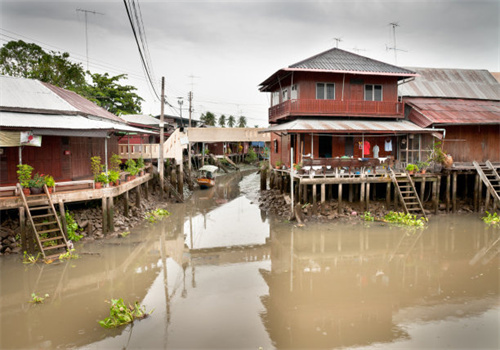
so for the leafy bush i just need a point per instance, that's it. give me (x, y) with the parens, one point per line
(95, 166)
(251, 156)
(37, 181)
(72, 227)
(24, 174)
(120, 314)
(491, 219)
(114, 162)
(404, 219)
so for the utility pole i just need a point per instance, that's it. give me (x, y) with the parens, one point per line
(161, 166)
(86, 32)
(190, 97)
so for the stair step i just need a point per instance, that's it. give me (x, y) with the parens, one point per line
(55, 247)
(50, 239)
(39, 208)
(45, 223)
(54, 256)
(42, 216)
(48, 231)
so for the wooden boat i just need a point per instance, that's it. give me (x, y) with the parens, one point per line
(206, 179)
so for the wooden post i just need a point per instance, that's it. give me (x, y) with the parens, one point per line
(62, 213)
(263, 178)
(447, 194)
(314, 195)
(367, 196)
(477, 183)
(351, 193)
(111, 214)
(104, 215)
(454, 191)
(388, 195)
(438, 194)
(304, 192)
(422, 190)
(138, 197)
(323, 193)
(362, 194)
(22, 227)
(487, 202)
(126, 204)
(435, 201)
(301, 187)
(330, 192)
(339, 207)
(180, 179)
(146, 190)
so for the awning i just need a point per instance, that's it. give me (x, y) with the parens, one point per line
(339, 126)
(59, 124)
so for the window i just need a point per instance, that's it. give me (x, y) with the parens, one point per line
(294, 94)
(325, 91)
(373, 92)
(275, 98)
(284, 95)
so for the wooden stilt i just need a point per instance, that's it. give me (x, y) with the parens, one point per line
(388, 195)
(304, 192)
(487, 201)
(314, 195)
(351, 193)
(447, 194)
(323, 193)
(138, 196)
(104, 215)
(435, 201)
(146, 190)
(263, 178)
(438, 194)
(367, 196)
(330, 192)
(126, 204)
(422, 190)
(477, 183)
(111, 214)
(454, 192)
(480, 194)
(22, 227)
(299, 193)
(62, 214)
(362, 194)
(339, 208)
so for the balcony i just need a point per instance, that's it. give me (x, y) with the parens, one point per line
(334, 108)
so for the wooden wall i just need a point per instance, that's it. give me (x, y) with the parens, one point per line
(473, 142)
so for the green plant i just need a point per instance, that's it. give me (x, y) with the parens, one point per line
(404, 219)
(154, 215)
(297, 166)
(412, 167)
(95, 166)
(30, 259)
(279, 163)
(120, 314)
(68, 255)
(131, 167)
(37, 181)
(114, 162)
(251, 156)
(49, 181)
(72, 227)
(367, 216)
(436, 153)
(491, 219)
(140, 162)
(35, 299)
(24, 174)
(113, 176)
(422, 165)
(102, 178)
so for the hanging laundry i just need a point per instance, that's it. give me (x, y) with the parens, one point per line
(366, 147)
(376, 149)
(388, 145)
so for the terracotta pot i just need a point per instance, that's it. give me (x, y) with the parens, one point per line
(51, 189)
(423, 171)
(26, 191)
(98, 185)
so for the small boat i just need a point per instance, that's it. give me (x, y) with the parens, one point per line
(207, 178)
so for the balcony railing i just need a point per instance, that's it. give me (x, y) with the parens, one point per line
(335, 108)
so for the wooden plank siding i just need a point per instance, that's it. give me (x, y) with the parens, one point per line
(473, 142)
(51, 158)
(349, 97)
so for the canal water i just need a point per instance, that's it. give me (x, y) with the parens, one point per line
(220, 274)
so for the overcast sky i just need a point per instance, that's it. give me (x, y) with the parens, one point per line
(222, 50)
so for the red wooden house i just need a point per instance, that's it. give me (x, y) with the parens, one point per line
(69, 130)
(464, 102)
(339, 104)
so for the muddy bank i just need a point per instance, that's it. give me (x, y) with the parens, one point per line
(277, 203)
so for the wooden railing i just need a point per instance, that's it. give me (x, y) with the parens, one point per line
(172, 148)
(334, 108)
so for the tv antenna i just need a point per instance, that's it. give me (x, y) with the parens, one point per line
(86, 32)
(355, 49)
(394, 47)
(338, 40)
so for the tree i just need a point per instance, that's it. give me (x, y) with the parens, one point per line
(242, 122)
(28, 60)
(231, 121)
(208, 118)
(222, 121)
(107, 93)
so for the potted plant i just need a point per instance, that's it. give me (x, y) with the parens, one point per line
(131, 169)
(101, 179)
(140, 165)
(114, 162)
(114, 177)
(279, 163)
(96, 166)
(24, 175)
(411, 168)
(50, 182)
(36, 184)
(422, 165)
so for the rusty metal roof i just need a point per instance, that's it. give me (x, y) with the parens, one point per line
(38, 97)
(141, 119)
(350, 126)
(443, 111)
(452, 83)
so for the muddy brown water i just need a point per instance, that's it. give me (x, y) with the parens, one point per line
(221, 274)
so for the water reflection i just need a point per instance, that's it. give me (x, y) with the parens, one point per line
(220, 274)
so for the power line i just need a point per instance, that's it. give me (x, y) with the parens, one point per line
(86, 31)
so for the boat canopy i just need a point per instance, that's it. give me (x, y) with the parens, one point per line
(210, 168)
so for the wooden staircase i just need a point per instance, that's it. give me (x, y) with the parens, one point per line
(405, 245)
(490, 178)
(408, 194)
(45, 223)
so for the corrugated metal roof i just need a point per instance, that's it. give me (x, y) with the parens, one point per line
(140, 119)
(339, 60)
(452, 83)
(347, 126)
(29, 93)
(69, 122)
(441, 111)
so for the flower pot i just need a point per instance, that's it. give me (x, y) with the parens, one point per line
(423, 171)
(36, 190)
(26, 191)
(141, 173)
(98, 185)
(51, 189)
